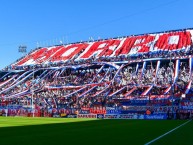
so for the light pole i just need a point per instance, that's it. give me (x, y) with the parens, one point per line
(33, 92)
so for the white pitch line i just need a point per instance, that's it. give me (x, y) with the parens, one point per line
(167, 132)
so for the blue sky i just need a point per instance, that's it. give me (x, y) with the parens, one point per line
(46, 22)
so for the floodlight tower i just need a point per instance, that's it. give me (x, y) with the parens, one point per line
(22, 49)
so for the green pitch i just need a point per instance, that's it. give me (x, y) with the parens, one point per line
(55, 131)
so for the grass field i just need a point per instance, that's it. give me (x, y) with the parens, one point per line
(59, 131)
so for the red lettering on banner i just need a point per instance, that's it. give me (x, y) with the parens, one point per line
(94, 48)
(142, 44)
(145, 43)
(135, 44)
(54, 54)
(109, 48)
(40, 55)
(47, 54)
(126, 46)
(33, 55)
(69, 52)
(101, 48)
(173, 40)
(130, 45)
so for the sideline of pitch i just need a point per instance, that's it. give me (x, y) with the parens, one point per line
(168, 132)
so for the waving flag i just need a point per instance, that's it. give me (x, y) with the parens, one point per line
(177, 68)
(188, 87)
(167, 90)
(144, 66)
(137, 67)
(157, 68)
(128, 93)
(190, 66)
(147, 90)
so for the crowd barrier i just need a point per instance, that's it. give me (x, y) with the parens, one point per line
(124, 116)
(107, 113)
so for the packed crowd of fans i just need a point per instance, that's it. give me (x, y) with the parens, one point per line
(113, 85)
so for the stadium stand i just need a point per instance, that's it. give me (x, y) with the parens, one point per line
(138, 74)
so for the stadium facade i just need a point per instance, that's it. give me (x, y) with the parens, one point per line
(146, 76)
